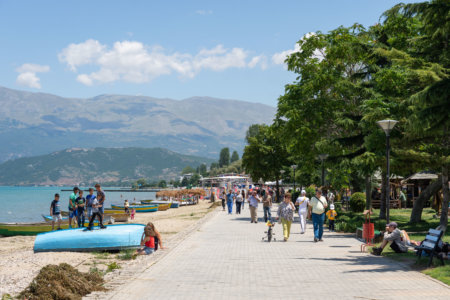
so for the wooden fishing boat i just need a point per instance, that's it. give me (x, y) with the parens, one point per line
(147, 201)
(113, 237)
(173, 204)
(164, 206)
(50, 218)
(138, 208)
(13, 229)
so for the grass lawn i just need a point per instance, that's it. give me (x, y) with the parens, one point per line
(416, 231)
(437, 271)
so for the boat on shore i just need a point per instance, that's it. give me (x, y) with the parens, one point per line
(173, 204)
(113, 237)
(164, 206)
(138, 208)
(13, 229)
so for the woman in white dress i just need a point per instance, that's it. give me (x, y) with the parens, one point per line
(302, 203)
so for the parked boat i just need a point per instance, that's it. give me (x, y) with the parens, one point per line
(50, 218)
(113, 237)
(13, 229)
(164, 206)
(113, 211)
(138, 208)
(173, 204)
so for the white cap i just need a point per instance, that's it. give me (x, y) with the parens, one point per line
(331, 206)
(303, 192)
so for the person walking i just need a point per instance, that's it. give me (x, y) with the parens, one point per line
(230, 200)
(317, 207)
(253, 201)
(302, 203)
(222, 197)
(267, 205)
(286, 215)
(239, 201)
(243, 198)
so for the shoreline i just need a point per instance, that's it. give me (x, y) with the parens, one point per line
(19, 264)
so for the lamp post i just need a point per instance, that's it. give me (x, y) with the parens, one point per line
(387, 126)
(293, 168)
(322, 158)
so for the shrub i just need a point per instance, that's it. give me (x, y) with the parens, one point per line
(358, 202)
(310, 191)
(112, 266)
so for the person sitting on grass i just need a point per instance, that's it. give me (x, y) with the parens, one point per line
(408, 241)
(393, 235)
(150, 240)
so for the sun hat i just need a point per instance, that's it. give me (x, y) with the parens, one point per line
(303, 192)
(331, 206)
(393, 224)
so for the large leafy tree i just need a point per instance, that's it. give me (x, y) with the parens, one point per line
(224, 158)
(265, 155)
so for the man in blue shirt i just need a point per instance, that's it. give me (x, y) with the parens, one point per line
(230, 198)
(73, 205)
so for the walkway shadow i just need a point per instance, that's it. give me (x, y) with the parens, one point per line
(382, 265)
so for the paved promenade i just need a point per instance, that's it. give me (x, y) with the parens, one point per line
(226, 259)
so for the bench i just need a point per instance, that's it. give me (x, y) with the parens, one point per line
(430, 245)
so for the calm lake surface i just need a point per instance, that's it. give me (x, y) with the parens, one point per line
(27, 204)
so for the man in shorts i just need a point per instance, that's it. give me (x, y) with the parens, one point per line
(89, 199)
(55, 212)
(73, 205)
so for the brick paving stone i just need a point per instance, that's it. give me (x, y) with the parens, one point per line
(227, 259)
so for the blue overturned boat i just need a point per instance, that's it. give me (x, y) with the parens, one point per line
(113, 237)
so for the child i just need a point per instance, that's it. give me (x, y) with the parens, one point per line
(96, 213)
(80, 202)
(331, 215)
(150, 239)
(55, 212)
(133, 212)
(89, 199)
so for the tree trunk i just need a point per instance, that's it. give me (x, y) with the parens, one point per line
(383, 196)
(416, 213)
(277, 190)
(446, 194)
(368, 192)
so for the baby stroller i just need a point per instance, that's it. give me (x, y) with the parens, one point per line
(270, 233)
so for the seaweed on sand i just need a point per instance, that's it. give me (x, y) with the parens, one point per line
(62, 282)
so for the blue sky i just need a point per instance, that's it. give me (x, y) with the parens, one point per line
(174, 49)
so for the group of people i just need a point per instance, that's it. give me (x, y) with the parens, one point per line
(80, 207)
(314, 208)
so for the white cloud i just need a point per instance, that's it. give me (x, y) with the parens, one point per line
(204, 12)
(280, 57)
(80, 54)
(260, 60)
(27, 75)
(132, 61)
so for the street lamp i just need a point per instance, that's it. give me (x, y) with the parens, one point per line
(387, 126)
(322, 158)
(294, 167)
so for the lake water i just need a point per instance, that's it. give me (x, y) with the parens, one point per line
(27, 204)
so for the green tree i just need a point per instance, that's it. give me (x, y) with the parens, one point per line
(214, 165)
(224, 159)
(234, 157)
(252, 131)
(162, 184)
(187, 170)
(184, 181)
(265, 155)
(194, 179)
(202, 169)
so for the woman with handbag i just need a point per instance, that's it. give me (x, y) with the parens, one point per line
(286, 215)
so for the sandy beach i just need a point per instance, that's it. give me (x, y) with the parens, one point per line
(19, 264)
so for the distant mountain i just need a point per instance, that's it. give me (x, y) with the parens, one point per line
(78, 166)
(37, 123)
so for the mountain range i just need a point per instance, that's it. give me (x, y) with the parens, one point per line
(78, 166)
(38, 123)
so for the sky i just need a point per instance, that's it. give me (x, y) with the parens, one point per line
(166, 49)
